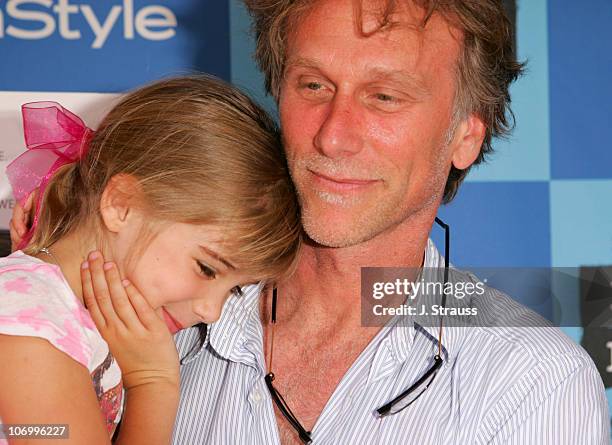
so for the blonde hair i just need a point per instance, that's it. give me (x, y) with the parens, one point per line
(202, 153)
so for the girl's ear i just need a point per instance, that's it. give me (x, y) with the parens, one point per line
(117, 201)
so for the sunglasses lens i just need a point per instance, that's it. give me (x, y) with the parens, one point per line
(415, 393)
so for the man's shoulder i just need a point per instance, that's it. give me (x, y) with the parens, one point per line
(519, 346)
(512, 326)
(522, 369)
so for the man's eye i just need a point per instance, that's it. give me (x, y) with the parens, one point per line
(311, 86)
(385, 98)
(207, 271)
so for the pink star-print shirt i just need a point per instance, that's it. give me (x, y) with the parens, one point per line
(36, 301)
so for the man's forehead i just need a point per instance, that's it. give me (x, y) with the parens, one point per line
(369, 16)
(373, 15)
(325, 30)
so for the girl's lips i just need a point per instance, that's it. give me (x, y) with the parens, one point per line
(173, 325)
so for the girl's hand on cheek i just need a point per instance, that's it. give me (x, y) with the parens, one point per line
(137, 336)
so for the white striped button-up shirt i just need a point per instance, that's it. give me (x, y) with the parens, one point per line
(498, 385)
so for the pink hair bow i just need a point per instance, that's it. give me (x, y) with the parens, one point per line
(54, 137)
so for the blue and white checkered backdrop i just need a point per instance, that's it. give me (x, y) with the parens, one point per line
(543, 200)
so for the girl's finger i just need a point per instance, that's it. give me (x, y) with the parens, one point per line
(143, 309)
(101, 291)
(119, 297)
(19, 219)
(28, 205)
(90, 299)
(15, 238)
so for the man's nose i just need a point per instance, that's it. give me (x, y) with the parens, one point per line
(340, 132)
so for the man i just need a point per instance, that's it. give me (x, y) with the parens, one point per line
(384, 106)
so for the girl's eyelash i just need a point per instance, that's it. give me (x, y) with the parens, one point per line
(207, 270)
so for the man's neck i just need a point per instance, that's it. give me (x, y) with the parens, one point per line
(319, 331)
(327, 281)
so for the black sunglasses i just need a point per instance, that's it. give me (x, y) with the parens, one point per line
(280, 402)
(403, 400)
(409, 396)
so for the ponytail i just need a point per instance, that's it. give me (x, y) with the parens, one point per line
(61, 208)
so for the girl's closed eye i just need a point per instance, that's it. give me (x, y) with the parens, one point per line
(206, 270)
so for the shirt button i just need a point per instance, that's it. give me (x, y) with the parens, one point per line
(256, 397)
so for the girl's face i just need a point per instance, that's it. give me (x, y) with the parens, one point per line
(184, 271)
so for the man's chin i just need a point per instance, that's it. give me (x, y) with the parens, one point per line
(334, 231)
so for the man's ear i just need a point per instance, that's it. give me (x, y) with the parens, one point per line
(467, 141)
(117, 201)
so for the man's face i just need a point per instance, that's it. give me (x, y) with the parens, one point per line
(365, 119)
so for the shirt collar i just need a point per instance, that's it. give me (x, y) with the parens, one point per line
(453, 328)
(239, 326)
(433, 269)
(396, 339)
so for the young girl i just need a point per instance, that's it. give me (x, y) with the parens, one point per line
(184, 188)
